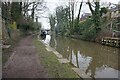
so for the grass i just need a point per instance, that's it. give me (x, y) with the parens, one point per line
(52, 65)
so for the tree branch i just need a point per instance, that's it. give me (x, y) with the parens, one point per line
(79, 10)
(90, 6)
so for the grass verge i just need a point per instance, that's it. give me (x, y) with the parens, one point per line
(52, 65)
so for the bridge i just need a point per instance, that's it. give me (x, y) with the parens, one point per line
(47, 31)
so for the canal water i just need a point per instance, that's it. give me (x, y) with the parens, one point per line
(94, 59)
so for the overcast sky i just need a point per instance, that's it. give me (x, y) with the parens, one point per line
(52, 4)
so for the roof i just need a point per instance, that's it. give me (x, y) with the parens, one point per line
(117, 8)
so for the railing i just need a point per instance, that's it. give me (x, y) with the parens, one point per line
(111, 41)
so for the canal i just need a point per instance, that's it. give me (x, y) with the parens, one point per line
(97, 60)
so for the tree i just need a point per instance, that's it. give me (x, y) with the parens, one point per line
(62, 19)
(95, 14)
(52, 22)
(78, 17)
(16, 10)
(33, 7)
(73, 23)
(103, 10)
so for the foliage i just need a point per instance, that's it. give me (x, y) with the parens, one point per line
(78, 17)
(83, 25)
(89, 34)
(52, 22)
(85, 29)
(13, 25)
(15, 10)
(95, 14)
(18, 12)
(103, 10)
(62, 19)
(26, 26)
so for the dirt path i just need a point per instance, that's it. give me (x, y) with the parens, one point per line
(24, 62)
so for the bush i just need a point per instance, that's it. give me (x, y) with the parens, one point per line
(83, 25)
(86, 30)
(89, 34)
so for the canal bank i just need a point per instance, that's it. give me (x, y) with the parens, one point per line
(52, 65)
(96, 60)
(108, 41)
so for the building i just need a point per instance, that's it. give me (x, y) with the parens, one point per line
(112, 17)
(113, 12)
(85, 16)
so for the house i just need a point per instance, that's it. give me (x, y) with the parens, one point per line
(113, 12)
(85, 16)
(112, 16)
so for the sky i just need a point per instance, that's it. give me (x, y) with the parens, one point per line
(52, 4)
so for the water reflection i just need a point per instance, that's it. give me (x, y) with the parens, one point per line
(43, 37)
(80, 61)
(46, 39)
(94, 59)
(106, 71)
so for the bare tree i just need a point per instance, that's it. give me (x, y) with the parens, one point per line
(34, 7)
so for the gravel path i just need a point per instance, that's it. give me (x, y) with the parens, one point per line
(24, 62)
